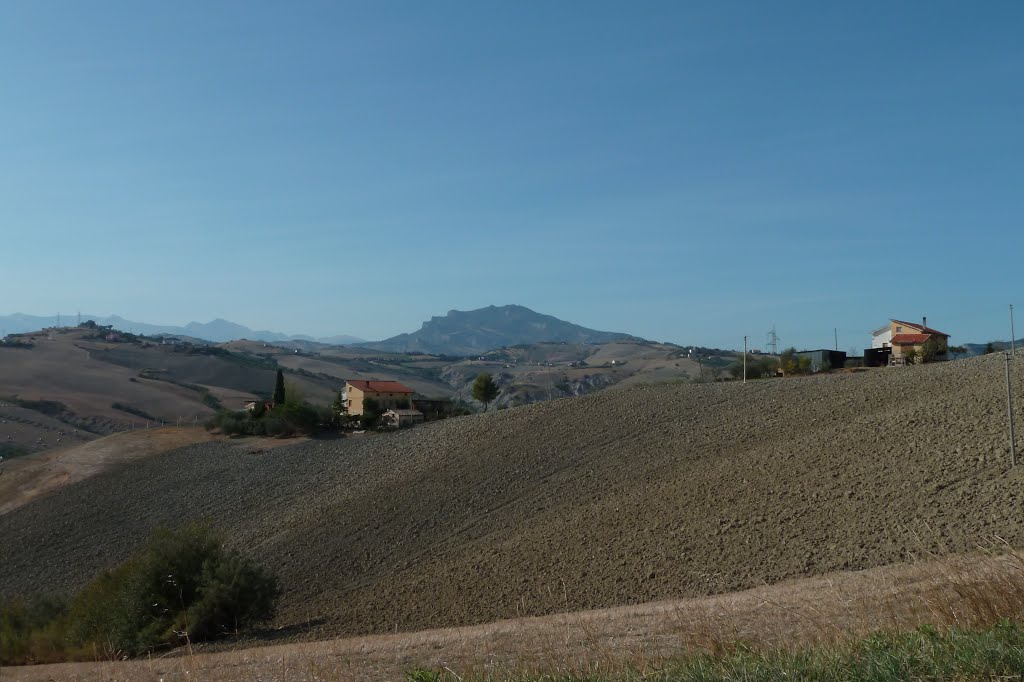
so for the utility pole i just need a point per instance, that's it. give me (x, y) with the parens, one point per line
(744, 359)
(1013, 336)
(1009, 412)
(835, 332)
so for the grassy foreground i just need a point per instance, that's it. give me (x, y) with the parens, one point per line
(994, 653)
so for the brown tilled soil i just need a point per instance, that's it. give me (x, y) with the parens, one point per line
(830, 609)
(623, 497)
(27, 478)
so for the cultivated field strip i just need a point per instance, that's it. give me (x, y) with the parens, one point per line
(636, 495)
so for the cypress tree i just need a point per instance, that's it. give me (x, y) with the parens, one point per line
(279, 389)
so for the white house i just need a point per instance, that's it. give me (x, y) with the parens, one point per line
(882, 337)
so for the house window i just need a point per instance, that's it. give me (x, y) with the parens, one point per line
(899, 329)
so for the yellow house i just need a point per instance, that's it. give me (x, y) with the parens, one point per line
(387, 395)
(907, 336)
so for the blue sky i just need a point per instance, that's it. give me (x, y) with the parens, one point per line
(689, 172)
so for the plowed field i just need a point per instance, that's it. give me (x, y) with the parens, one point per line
(615, 498)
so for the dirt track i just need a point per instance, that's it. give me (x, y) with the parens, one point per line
(615, 498)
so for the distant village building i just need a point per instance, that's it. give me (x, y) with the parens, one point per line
(387, 395)
(399, 419)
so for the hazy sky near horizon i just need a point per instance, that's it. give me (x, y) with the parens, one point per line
(684, 171)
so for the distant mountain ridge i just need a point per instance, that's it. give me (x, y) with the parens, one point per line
(218, 331)
(472, 332)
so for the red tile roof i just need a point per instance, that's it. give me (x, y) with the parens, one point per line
(379, 386)
(912, 339)
(921, 328)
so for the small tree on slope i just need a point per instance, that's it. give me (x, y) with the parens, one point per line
(484, 389)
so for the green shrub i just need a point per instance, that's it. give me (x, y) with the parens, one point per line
(232, 426)
(283, 420)
(758, 366)
(32, 631)
(133, 410)
(233, 593)
(180, 585)
(274, 425)
(372, 412)
(215, 421)
(51, 408)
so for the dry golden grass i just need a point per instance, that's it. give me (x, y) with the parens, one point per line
(70, 369)
(27, 478)
(972, 591)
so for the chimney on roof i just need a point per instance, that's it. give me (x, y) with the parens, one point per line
(924, 321)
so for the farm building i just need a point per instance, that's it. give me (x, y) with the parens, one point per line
(824, 359)
(399, 419)
(433, 408)
(387, 395)
(892, 343)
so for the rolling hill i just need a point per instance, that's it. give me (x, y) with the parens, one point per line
(619, 497)
(477, 331)
(64, 386)
(526, 374)
(216, 331)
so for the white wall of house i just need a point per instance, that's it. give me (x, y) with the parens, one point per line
(882, 337)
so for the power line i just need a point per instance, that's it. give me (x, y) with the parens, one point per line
(773, 341)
